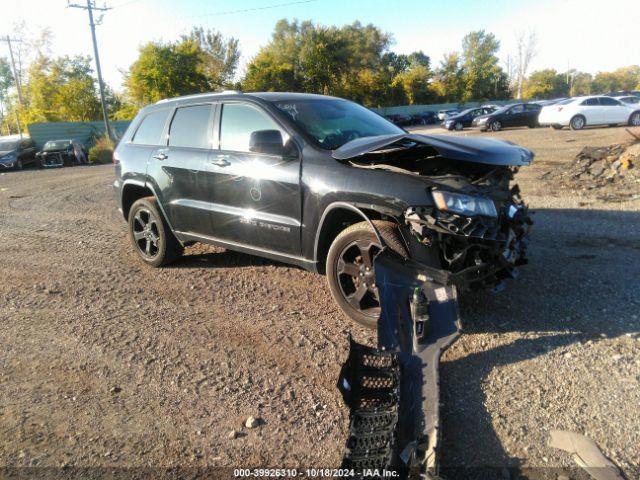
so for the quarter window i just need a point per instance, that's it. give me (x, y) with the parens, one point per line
(190, 127)
(150, 128)
(239, 122)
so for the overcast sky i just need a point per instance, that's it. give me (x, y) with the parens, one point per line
(589, 35)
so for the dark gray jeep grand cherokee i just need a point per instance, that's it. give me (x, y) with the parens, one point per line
(319, 182)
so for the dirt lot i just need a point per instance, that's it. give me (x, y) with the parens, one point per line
(107, 363)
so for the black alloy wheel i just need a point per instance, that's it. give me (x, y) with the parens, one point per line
(151, 235)
(350, 271)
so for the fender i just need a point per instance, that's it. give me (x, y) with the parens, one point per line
(150, 186)
(348, 206)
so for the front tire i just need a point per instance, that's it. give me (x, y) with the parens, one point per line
(350, 268)
(458, 126)
(577, 123)
(556, 127)
(150, 234)
(18, 165)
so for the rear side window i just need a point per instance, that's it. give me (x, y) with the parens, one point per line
(609, 102)
(150, 128)
(190, 127)
(237, 124)
(517, 109)
(532, 107)
(591, 102)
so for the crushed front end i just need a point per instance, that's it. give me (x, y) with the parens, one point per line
(481, 247)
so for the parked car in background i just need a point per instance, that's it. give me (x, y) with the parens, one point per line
(630, 100)
(16, 152)
(442, 114)
(399, 119)
(514, 115)
(424, 118)
(58, 153)
(465, 118)
(623, 93)
(592, 110)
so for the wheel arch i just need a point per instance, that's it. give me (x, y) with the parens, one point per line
(132, 191)
(335, 218)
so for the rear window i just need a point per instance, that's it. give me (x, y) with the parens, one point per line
(190, 127)
(150, 128)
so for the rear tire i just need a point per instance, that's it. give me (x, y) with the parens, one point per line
(634, 119)
(349, 268)
(495, 126)
(150, 234)
(577, 123)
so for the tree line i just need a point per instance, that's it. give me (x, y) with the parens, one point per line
(353, 61)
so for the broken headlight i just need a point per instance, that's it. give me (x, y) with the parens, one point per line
(466, 205)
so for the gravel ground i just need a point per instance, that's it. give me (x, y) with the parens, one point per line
(107, 363)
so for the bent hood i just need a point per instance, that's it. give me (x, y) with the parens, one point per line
(477, 150)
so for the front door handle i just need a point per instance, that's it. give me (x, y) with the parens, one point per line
(221, 162)
(161, 156)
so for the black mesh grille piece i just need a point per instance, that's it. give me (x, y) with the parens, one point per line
(369, 382)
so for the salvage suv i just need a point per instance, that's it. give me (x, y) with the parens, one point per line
(322, 183)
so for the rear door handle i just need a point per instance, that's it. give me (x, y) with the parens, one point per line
(161, 156)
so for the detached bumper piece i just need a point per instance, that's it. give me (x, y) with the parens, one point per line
(393, 390)
(369, 383)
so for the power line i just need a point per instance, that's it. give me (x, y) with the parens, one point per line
(267, 7)
(90, 7)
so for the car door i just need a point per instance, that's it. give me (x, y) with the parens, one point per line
(531, 112)
(254, 197)
(591, 110)
(515, 117)
(613, 111)
(176, 168)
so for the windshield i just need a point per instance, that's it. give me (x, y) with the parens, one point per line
(56, 145)
(334, 122)
(8, 146)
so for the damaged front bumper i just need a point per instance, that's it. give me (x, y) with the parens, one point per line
(393, 390)
(478, 251)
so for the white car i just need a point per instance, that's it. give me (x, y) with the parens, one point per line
(629, 100)
(579, 112)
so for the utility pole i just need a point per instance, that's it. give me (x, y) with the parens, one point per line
(17, 80)
(90, 7)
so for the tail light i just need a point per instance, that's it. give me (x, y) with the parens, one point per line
(115, 158)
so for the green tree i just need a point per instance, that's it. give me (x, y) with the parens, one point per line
(580, 83)
(449, 78)
(352, 61)
(625, 78)
(219, 58)
(60, 89)
(483, 76)
(165, 70)
(545, 84)
(6, 80)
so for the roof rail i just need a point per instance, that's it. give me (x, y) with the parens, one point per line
(197, 95)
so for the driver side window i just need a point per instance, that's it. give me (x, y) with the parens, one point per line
(237, 124)
(517, 109)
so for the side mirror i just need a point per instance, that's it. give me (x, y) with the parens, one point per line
(266, 141)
